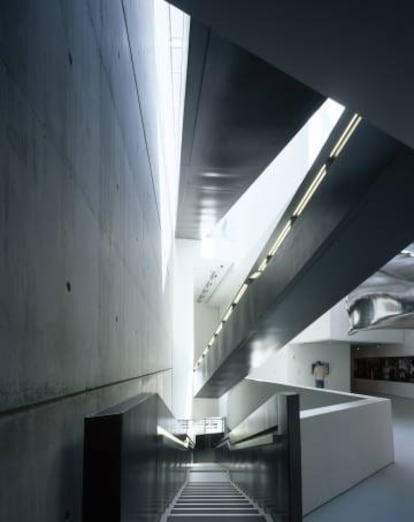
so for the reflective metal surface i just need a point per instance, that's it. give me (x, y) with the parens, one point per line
(131, 472)
(239, 113)
(386, 299)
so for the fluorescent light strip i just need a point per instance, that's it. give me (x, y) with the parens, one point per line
(348, 136)
(240, 293)
(211, 341)
(263, 265)
(228, 313)
(311, 191)
(280, 239)
(168, 435)
(340, 144)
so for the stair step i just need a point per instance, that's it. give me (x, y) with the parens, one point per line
(208, 511)
(214, 518)
(218, 503)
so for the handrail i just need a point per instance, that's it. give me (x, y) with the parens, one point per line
(263, 419)
(165, 433)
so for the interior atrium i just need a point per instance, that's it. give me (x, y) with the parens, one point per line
(206, 261)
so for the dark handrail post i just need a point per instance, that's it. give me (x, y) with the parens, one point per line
(289, 425)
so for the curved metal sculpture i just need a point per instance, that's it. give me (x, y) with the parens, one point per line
(386, 299)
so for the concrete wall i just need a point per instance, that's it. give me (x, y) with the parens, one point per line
(292, 365)
(85, 316)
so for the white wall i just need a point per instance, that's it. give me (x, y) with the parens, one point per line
(292, 365)
(206, 319)
(203, 408)
(342, 445)
(183, 320)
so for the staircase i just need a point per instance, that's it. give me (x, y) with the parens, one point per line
(209, 495)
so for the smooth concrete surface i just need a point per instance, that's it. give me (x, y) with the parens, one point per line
(83, 309)
(41, 453)
(341, 446)
(387, 495)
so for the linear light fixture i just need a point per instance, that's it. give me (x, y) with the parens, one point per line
(263, 265)
(340, 144)
(211, 341)
(256, 275)
(317, 180)
(280, 239)
(168, 435)
(307, 196)
(228, 313)
(219, 328)
(240, 293)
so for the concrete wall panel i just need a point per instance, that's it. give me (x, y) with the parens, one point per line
(82, 304)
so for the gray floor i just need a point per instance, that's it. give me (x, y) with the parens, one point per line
(387, 496)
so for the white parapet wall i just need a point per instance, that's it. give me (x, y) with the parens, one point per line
(342, 445)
